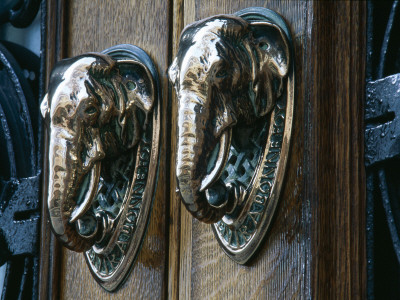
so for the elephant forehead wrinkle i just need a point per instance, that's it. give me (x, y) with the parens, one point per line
(212, 27)
(81, 92)
(201, 56)
(72, 87)
(64, 106)
(81, 66)
(60, 98)
(77, 89)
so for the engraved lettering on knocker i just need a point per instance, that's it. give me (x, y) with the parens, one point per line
(103, 119)
(234, 81)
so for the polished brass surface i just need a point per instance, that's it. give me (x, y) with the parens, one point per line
(103, 115)
(234, 81)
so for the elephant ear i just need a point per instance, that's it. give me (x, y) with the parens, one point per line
(270, 55)
(135, 89)
(138, 83)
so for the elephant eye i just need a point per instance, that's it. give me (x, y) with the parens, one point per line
(221, 73)
(263, 45)
(131, 85)
(90, 110)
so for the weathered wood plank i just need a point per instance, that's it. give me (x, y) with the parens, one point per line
(174, 203)
(280, 270)
(93, 26)
(50, 252)
(336, 143)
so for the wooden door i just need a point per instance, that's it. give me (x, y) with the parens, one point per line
(315, 247)
(77, 27)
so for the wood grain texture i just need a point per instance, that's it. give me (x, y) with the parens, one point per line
(95, 25)
(174, 203)
(316, 245)
(335, 139)
(50, 252)
(280, 269)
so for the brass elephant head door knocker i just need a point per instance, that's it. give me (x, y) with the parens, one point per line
(234, 80)
(104, 116)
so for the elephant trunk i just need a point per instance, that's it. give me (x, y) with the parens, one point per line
(200, 163)
(63, 188)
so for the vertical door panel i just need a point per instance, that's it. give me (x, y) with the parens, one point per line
(316, 243)
(336, 176)
(95, 26)
(281, 268)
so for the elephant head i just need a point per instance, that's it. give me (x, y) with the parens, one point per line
(227, 75)
(93, 105)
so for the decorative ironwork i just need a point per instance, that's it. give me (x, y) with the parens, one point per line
(20, 13)
(103, 116)
(19, 173)
(382, 151)
(234, 80)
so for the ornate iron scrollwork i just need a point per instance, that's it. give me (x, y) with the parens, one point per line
(234, 80)
(104, 116)
(20, 13)
(382, 151)
(19, 172)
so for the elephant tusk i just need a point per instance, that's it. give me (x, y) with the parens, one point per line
(44, 106)
(224, 147)
(80, 210)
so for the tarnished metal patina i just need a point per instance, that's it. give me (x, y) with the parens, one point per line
(234, 80)
(104, 117)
